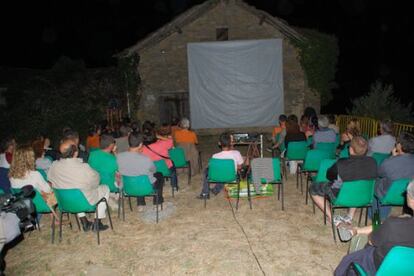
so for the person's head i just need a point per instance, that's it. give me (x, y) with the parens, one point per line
(135, 140)
(46, 143)
(107, 142)
(332, 119)
(68, 149)
(39, 148)
(304, 121)
(147, 127)
(353, 127)
(282, 119)
(314, 122)
(405, 143)
(185, 123)
(292, 125)
(309, 112)
(8, 145)
(23, 161)
(71, 135)
(410, 195)
(358, 146)
(164, 130)
(323, 121)
(386, 127)
(225, 141)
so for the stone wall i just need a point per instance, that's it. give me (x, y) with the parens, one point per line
(163, 66)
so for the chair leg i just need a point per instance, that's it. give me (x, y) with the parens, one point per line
(307, 189)
(172, 189)
(282, 196)
(200, 162)
(324, 210)
(157, 200)
(130, 205)
(109, 215)
(97, 226)
(249, 198)
(238, 195)
(366, 216)
(53, 229)
(189, 173)
(278, 192)
(123, 207)
(360, 216)
(332, 223)
(60, 226)
(38, 224)
(119, 205)
(77, 221)
(70, 223)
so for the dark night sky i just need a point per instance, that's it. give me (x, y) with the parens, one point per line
(374, 36)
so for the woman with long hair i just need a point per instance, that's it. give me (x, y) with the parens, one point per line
(352, 130)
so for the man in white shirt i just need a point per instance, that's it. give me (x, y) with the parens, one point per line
(227, 152)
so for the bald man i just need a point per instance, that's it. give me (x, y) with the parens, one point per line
(71, 173)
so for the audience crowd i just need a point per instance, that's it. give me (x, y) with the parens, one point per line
(129, 149)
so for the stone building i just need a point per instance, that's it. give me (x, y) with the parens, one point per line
(163, 56)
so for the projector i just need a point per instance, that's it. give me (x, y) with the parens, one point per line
(245, 137)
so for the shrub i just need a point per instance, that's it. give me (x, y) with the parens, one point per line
(380, 103)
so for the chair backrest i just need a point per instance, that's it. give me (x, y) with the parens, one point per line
(72, 201)
(177, 155)
(309, 140)
(395, 194)
(137, 185)
(108, 179)
(380, 157)
(328, 147)
(357, 193)
(161, 167)
(323, 168)
(313, 159)
(40, 203)
(221, 170)
(344, 152)
(297, 150)
(398, 261)
(43, 173)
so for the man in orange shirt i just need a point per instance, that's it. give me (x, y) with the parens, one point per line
(187, 140)
(278, 134)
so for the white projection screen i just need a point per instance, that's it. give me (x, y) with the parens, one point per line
(235, 83)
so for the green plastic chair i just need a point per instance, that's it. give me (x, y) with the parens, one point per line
(161, 167)
(138, 186)
(398, 261)
(310, 141)
(49, 157)
(296, 151)
(338, 140)
(276, 181)
(223, 171)
(395, 194)
(43, 173)
(2, 192)
(311, 165)
(73, 201)
(177, 155)
(108, 179)
(352, 194)
(380, 157)
(344, 152)
(330, 148)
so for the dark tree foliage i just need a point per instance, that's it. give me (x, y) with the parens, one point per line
(43, 102)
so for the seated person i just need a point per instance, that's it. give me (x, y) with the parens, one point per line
(293, 132)
(227, 152)
(42, 162)
(383, 143)
(69, 172)
(332, 123)
(356, 167)
(279, 133)
(22, 170)
(400, 165)
(72, 135)
(122, 141)
(134, 163)
(187, 139)
(103, 160)
(324, 134)
(159, 150)
(352, 130)
(92, 141)
(394, 231)
(6, 154)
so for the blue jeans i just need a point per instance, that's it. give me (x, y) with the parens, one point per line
(385, 210)
(217, 188)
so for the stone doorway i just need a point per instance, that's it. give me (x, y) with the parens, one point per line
(173, 105)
